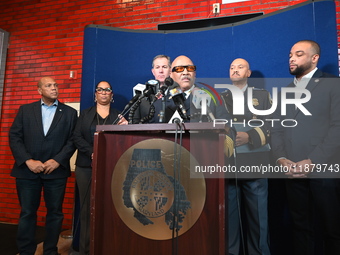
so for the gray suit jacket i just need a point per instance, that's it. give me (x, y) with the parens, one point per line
(316, 137)
(27, 140)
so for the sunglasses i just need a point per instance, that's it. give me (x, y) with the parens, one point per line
(101, 90)
(179, 69)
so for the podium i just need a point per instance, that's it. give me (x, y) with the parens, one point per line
(122, 221)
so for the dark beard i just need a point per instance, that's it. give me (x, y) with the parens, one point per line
(298, 71)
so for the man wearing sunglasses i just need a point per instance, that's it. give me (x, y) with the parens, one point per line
(183, 73)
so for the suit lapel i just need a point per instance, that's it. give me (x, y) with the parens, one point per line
(228, 101)
(292, 111)
(38, 116)
(313, 82)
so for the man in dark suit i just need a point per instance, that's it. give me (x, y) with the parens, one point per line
(161, 70)
(249, 190)
(310, 152)
(41, 144)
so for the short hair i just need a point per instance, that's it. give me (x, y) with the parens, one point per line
(161, 56)
(315, 46)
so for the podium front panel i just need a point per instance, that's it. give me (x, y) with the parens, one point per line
(141, 181)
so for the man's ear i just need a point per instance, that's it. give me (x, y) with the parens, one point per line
(315, 58)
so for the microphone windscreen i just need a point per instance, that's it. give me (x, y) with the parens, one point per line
(168, 81)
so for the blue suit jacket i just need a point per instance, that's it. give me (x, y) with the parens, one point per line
(27, 140)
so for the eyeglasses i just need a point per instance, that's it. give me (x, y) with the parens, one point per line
(179, 69)
(101, 90)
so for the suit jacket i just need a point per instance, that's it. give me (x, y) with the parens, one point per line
(84, 132)
(316, 137)
(28, 141)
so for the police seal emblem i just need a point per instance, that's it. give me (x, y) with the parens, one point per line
(146, 195)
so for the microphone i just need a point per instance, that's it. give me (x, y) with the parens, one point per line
(138, 89)
(160, 93)
(168, 81)
(150, 88)
(200, 96)
(178, 98)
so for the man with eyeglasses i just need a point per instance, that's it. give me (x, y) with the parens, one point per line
(41, 144)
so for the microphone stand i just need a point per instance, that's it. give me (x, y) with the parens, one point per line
(162, 112)
(125, 111)
(177, 195)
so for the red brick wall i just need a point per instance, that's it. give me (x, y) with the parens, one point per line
(46, 38)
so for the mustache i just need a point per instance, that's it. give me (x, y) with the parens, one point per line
(186, 76)
(235, 73)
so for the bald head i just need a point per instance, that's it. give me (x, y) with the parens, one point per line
(185, 78)
(44, 80)
(239, 72)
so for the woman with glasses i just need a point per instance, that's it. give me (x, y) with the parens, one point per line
(100, 114)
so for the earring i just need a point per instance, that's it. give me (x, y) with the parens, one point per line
(112, 100)
(95, 99)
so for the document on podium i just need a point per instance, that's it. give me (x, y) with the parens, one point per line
(246, 148)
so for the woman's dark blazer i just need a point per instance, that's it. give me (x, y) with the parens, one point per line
(83, 135)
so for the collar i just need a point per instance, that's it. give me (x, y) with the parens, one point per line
(305, 78)
(188, 92)
(244, 88)
(54, 104)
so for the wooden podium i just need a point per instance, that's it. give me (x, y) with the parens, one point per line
(109, 233)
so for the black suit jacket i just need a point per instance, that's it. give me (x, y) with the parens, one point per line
(84, 132)
(316, 137)
(27, 140)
